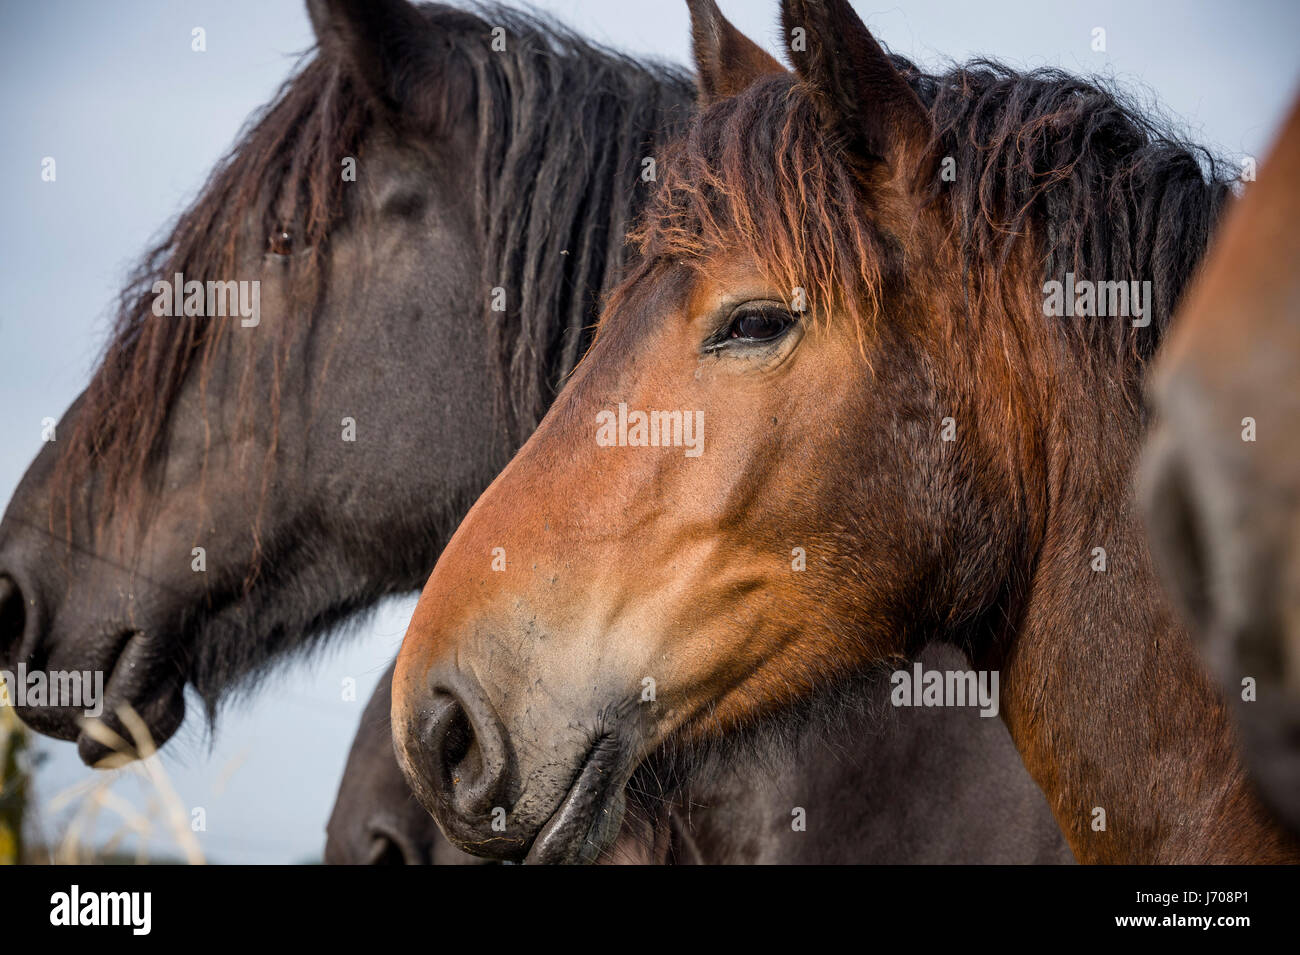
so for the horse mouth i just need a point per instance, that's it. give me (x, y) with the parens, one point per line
(133, 681)
(589, 817)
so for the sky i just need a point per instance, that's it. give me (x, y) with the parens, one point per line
(135, 119)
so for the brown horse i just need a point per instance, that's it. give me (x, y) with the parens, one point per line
(823, 421)
(1222, 477)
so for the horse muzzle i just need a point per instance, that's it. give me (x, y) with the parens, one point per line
(528, 792)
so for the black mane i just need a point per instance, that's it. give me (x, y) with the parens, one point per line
(561, 145)
(562, 127)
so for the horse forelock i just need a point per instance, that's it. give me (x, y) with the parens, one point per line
(1099, 186)
(755, 173)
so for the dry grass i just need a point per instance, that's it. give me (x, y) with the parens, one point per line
(163, 817)
(15, 779)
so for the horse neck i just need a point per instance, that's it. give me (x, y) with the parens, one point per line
(1103, 691)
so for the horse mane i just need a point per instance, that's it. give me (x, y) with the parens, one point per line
(560, 153)
(282, 172)
(1107, 191)
(561, 124)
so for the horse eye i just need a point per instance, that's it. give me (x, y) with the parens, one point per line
(280, 242)
(760, 325)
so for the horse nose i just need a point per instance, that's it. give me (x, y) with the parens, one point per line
(390, 845)
(13, 622)
(23, 647)
(467, 760)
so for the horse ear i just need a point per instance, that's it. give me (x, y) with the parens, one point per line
(387, 46)
(726, 61)
(859, 94)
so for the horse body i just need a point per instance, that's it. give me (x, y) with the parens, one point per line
(884, 395)
(827, 794)
(1221, 479)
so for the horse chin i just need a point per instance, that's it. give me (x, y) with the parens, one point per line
(590, 817)
(161, 718)
(143, 705)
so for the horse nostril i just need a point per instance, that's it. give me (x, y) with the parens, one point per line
(467, 747)
(384, 851)
(453, 744)
(458, 739)
(390, 846)
(1176, 522)
(13, 617)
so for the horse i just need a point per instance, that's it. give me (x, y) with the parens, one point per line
(230, 489)
(738, 812)
(1221, 476)
(320, 456)
(838, 343)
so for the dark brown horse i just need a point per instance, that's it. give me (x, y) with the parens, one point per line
(1222, 474)
(228, 490)
(837, 347)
